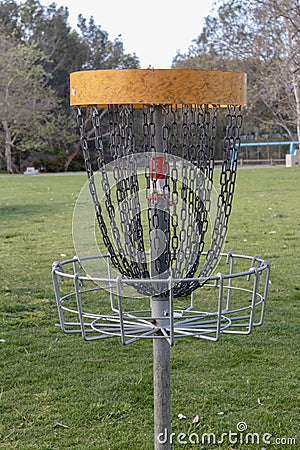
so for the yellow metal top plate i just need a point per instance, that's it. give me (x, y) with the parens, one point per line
(157, 87)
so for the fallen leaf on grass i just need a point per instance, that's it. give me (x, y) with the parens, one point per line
(9, 435)
(58, 424)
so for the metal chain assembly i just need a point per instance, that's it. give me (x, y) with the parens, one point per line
(156, 182)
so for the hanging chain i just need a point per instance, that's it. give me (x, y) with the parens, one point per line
(199, 132)
(92, 186)
(231, 144)
(189, 132)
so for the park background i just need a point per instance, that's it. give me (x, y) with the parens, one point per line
(58, 392)
(39, 48)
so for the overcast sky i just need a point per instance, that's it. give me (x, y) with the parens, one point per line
(155, 30)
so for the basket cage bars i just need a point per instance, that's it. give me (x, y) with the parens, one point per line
(232, 302)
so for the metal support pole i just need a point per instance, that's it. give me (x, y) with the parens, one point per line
(160, 302)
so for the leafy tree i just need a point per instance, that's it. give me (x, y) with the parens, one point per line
(27, 104)
(9, 18)
(56, 50)
(48, 29)
(100, 52)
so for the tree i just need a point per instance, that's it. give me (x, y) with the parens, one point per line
(27, 104)
(48, 29)
(44, 31)
(100, 52)
(261, 38)
(9, 18)
(287, 14)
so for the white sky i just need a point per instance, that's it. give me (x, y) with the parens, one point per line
(154, 29)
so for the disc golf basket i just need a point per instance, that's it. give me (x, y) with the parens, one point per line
(150, 140)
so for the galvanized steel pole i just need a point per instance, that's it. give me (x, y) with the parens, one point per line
(160, 302)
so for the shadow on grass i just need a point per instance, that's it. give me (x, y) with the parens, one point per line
(9, 212)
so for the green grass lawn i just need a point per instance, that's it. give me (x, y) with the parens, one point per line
(59, 392)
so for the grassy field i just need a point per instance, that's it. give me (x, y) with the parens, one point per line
(59, 392)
